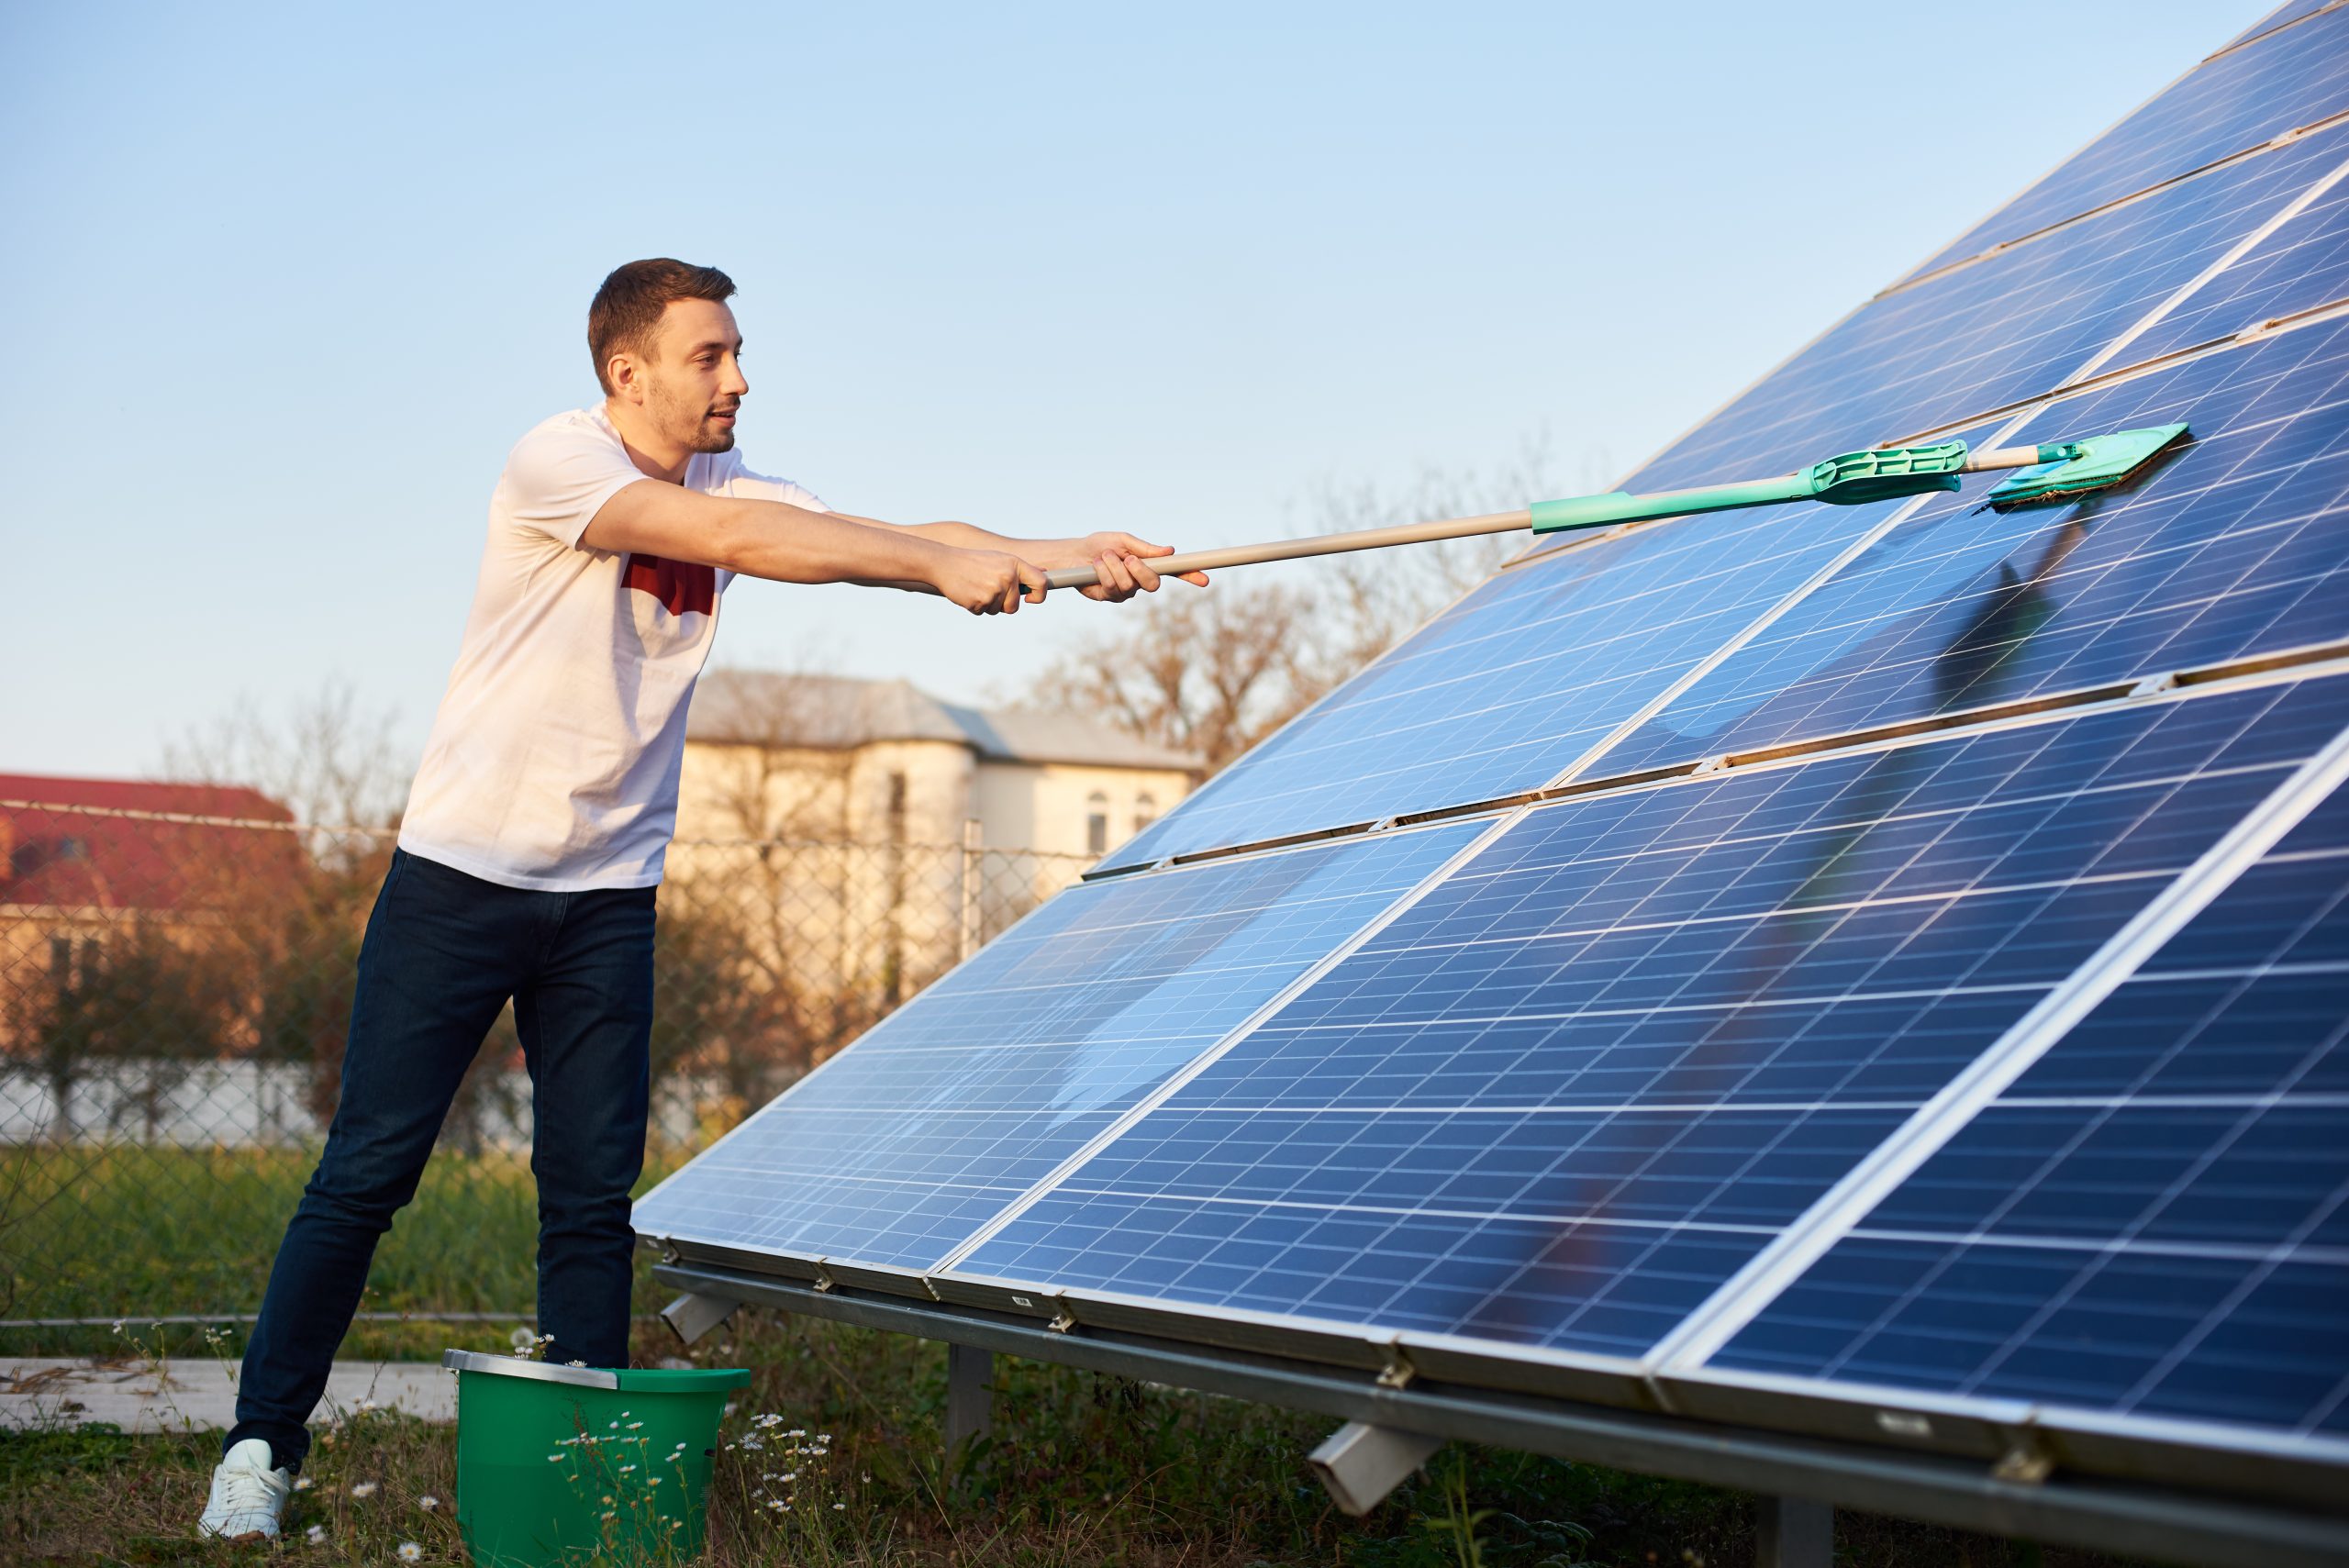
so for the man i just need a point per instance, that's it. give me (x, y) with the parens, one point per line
(532, 846)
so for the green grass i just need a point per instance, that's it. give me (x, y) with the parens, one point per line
(1082, 1471)
(137, 1233)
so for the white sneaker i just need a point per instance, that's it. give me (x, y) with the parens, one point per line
(247, 1494)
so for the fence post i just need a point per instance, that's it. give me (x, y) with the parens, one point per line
(973, 885)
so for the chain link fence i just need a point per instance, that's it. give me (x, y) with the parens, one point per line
(174, 992)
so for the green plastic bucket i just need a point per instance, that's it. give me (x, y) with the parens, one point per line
(560, 1465)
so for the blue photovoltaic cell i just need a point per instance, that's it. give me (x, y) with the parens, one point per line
(902, 1146)
(2154, 1218)
(2294, 77)
(1515, 683)
(2004, 329)
(1565, 1096)
(2280, 16)
(2302, 265)
(2239, 545)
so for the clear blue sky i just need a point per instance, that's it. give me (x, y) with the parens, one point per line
(288, 281)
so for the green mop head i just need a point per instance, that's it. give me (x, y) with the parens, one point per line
(2073, 468)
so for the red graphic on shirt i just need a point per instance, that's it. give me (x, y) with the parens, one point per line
(679, 586)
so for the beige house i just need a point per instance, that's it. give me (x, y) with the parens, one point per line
(828, 758)
(857, 839)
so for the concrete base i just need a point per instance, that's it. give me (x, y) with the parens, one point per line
(200, 1395)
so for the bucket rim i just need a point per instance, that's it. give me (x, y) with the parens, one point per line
(543, 1371)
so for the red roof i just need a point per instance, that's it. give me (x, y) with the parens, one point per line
(65, 847)
(139, 795)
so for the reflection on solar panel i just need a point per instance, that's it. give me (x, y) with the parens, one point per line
(1884, 960)
(2240, 546)
(1568, 1094)
(961, 1100)
(2154, 1217)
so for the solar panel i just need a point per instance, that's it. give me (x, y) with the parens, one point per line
(2152, 1221)
(2283, 16)
(1483, 703)
(2237, 100)
(2240, 546)
(2005, 328)
(953, 1106)
(1479, 708)
(1569, 1092)
(1864, 961)
(2303, 267)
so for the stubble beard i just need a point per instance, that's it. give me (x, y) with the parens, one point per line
(696, 433)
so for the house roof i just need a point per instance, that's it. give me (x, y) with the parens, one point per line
(65, 847)
(141, 794)
(836, 712)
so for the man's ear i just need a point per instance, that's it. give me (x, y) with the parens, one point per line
(627, 382)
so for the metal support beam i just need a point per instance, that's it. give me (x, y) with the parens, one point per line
(1360, 1463)
(693, 1315)
(970, 1399)
(1794, 1532)
(2169, 1522)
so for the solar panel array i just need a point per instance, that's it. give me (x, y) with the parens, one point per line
(2153, 1219)
(1891, 958)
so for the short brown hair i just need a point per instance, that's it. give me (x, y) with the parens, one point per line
(627, 307)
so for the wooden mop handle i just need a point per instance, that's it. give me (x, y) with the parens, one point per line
(1317, 544)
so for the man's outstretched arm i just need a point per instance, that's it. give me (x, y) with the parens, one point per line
(792, 544)
(1122, 558)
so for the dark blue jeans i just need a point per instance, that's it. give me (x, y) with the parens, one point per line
(443, 952)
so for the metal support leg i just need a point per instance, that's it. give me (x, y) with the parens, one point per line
(1360, 1463)
(1794, 1532)
(690, 1315)
(970, 1403)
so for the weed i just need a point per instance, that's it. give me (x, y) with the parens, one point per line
(832, 1460)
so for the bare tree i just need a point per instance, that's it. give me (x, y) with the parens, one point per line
(1215, 673)
(1210, 672)
(329, 761)
(1377, 597)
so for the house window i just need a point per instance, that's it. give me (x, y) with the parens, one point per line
(1145, 810)
(1096, 824)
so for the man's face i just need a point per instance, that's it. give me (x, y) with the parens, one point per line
(693, 378)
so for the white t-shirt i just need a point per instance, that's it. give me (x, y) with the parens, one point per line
(553, 762)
